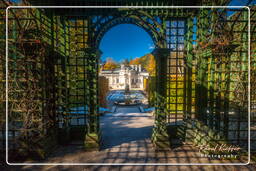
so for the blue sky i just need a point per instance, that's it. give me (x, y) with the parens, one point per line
(240, 2)
(125, 41)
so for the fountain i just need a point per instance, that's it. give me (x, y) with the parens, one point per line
(127, 97)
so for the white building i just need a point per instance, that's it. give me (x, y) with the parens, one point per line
(132, 76)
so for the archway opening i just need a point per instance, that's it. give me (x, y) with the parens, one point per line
(125, 68)
(126, 63)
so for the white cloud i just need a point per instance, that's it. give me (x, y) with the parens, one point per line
(150, 46)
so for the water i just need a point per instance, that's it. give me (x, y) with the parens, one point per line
(119, 95)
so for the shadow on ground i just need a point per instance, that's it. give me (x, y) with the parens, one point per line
(126, 139)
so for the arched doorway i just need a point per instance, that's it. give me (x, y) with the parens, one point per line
(160, 31)
(123, 76)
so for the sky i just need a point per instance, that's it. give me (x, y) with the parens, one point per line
(125, 41)
(240, 2)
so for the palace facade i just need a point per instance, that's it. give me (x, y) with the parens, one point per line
(131, 76)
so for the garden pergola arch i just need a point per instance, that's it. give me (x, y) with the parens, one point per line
(136, 17)
(155, 27)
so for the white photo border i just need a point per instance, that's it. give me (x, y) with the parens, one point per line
(132, 7)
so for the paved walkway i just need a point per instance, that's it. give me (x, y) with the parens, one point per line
(126, 139)
(127, 127)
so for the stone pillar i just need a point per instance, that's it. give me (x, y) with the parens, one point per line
(160, 136)
(93, 134)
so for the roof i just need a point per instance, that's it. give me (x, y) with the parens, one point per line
(117, 70)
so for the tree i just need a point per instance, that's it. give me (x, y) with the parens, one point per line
(135, 61)
(126, 62)
(151, 65)
(147, 61)
(110, 64)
